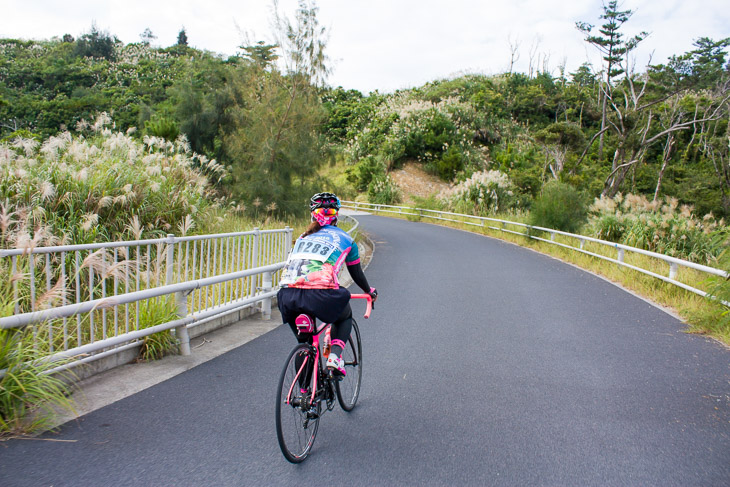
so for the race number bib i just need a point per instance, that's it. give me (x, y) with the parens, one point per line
(312, 250)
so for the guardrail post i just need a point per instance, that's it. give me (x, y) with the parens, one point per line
(552, 236)
(582, 243)
(287, 247)
(170, 257)
(182, 331)
(266, 303)
(620, 255)
(673, 270)
(255, 256)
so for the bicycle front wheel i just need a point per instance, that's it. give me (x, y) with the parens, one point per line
(348, 388)
(297, 419)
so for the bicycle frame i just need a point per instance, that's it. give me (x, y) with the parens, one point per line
(315, 343)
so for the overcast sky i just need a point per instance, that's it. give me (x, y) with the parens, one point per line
(389, 44)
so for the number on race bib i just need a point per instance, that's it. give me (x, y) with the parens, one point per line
(307, 249)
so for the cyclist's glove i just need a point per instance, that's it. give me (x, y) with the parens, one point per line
(374, 295)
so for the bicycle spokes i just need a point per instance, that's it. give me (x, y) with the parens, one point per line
(297, 416)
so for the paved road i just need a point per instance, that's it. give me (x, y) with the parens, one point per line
(485, 364)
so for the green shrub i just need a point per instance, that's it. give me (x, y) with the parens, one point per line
(609, 227)
(559, 207)
(28, 394)
(484, 192)
(383, 190)
(155, 312)
(659, 226)
(367, 169)
(162, 127)
(449, 165)
(438, 134)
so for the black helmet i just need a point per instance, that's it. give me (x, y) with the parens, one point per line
(324, 200)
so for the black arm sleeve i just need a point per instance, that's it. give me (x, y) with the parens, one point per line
(359, 277)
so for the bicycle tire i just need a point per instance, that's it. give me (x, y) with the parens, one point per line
(348, 388)
(296, 421)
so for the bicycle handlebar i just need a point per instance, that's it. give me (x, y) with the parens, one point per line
(369, 300)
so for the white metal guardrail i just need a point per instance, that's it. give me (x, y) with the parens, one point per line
(528, 231)
(85, 302)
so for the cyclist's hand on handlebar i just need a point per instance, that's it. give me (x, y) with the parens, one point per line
(374, 295)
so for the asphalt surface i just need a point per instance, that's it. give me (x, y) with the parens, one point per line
(484, 364)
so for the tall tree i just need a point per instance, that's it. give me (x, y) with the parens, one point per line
(276, 141)
(182, 38)
(261, 54)
(614, 48)
(638, 124)
(147, 37)
(303, 43)
(708, 61)
(96, 44)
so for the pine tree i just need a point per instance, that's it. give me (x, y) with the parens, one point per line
(611, 44)
(182, 38)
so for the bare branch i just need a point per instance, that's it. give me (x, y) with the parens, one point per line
(593, 139)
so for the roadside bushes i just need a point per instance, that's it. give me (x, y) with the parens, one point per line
(366, 169)
(383, 190)
(438, 135)
(560, 207)
(75, 189)
(484, 192)
(28, 394)
(660, 226)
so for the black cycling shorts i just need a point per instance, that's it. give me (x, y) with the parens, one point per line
(325, 304)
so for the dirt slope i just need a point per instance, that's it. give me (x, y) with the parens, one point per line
(413, 180)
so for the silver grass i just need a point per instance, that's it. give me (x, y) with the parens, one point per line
(6, 217)
(38, 214)
(7, 155)
(53, 296)
(104, 202)
(122, 270)
(101, 121)
(186, 225)
(97, 262)
(47, 190)
(28, 145)
(89, 220)
(134, 227)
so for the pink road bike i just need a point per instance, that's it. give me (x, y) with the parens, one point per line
(307, 388)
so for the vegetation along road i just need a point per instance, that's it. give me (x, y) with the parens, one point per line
(484, 364)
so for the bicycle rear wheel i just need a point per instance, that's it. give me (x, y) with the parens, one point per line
(348, 388)
(297, 420)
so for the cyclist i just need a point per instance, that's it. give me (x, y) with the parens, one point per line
(309, 282)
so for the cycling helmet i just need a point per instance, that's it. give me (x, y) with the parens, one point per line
(324, 207)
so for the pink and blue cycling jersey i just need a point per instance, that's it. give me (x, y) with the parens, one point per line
(316, 259)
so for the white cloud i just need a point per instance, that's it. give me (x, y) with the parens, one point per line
(386, 44)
